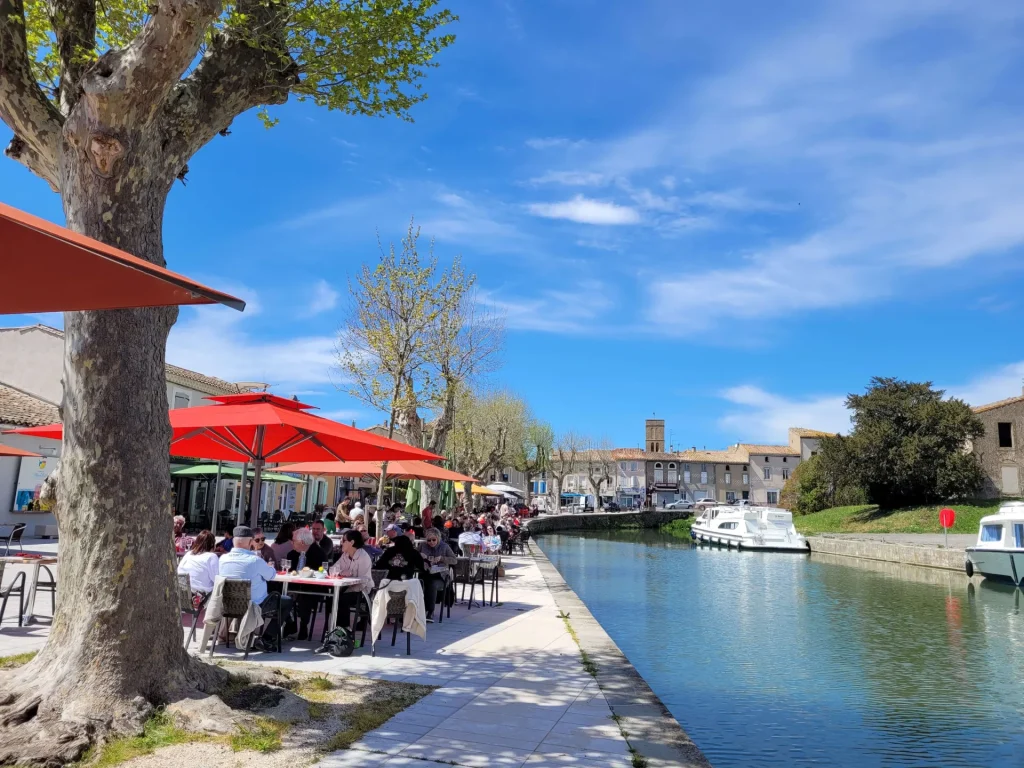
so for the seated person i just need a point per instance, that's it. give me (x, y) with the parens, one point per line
(242, 563)
(391, 533)
(329, 524)
(325, 542)
(283, 543)
(201, 564)
(261, 548)
(504, 536)
(438, 556)
(401, 560)
(492, 542)
(355, 562)
(305, 554)
(182, 541)
(417, 526)
(470, 537)
(226, 544)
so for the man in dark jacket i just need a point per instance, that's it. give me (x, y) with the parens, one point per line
(306, 553)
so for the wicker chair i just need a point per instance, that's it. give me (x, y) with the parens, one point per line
(396, 611)
(16, 587)
(235, 600)
(187, 604)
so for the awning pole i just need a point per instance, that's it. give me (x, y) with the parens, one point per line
(216, 490)
(257, 479)
(242, 499)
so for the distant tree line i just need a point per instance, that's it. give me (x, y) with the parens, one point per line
(909, 446)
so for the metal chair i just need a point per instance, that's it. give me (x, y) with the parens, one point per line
(486, 570)
(13, 535)
(187, 604)
(395, 612)
(12, 589)
(49, 584)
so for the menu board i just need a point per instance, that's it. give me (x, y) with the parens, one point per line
(30, 479)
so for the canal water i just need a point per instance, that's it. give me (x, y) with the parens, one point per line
(776, 659)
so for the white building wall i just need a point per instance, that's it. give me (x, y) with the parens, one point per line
(32, 360)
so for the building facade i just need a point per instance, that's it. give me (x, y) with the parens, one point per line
(999, 449)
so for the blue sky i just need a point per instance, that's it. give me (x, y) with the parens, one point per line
(729, 215)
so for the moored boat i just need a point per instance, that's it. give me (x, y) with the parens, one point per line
(748, 528)
(999, 552)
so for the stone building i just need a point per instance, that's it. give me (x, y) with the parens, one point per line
(998, 450)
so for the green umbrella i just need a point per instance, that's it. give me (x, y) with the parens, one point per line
(412, 498)
(447, 495)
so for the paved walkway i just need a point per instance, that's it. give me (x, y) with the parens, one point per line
(512, 690)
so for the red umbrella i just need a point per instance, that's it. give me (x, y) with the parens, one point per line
(403, 469)
(82, 273)
(261, 427)
(10, 450)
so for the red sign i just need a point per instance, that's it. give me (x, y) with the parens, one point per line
(947, 517)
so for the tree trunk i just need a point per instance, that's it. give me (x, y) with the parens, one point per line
(115, 647)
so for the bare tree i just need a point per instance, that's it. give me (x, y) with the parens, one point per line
(599, 464)
(564, 461)
(487, 431)
(385, 346)
(534, 455)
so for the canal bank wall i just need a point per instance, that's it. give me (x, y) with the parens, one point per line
(602, 521)
(927, 556)
(645, 721)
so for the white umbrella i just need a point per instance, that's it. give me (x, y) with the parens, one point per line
(506, 489)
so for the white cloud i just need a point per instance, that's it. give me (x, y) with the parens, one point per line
(553, 311)
(570, 178)
(220, 342)
(766, 418)
(585, 210)
(991, 386)
(343, 415)
(324, 298)
(554, 142)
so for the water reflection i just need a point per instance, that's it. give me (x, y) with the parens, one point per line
(779, 659)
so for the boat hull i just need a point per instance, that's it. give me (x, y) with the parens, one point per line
(747, 541)
(1005, 564)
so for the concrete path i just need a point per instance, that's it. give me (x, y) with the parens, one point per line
(512, 689)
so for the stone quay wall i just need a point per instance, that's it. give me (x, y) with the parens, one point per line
(602, 521)
(908, 554)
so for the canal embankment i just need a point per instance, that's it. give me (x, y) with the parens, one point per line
(905, 549)
(655, 737)
(603, 521)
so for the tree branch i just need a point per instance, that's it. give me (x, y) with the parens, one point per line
(23, 105)
(241, 69)
(128, 85)
(74, 25)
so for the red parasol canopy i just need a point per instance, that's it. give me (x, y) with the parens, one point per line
(261, 427)
(403, 469)
(10, 450)
(82, 273)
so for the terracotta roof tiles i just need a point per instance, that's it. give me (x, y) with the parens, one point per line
(21, 409)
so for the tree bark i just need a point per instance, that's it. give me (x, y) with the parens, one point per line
(115, 647)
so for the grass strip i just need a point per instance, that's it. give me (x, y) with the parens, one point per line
(159, 731)
(372, 714)
(17, 660)
(263, 735)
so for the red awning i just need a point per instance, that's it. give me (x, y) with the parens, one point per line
(48, 268)
(10, 450)
(402, 469)
(263, 427)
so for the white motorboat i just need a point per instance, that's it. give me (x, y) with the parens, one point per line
(999, 552)
(748, 528)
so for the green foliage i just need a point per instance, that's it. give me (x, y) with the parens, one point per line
(823, 481)
(159, 731)
(533, 455)
(365, 57)
(488, 432)
(679, 528)
(17, 660)
(868, 518)
(908, 444)
(263, 735)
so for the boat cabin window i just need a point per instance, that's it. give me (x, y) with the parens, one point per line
(992, 533)
(727, 526)
(1018, 535)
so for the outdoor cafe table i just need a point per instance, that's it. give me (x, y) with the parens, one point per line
(30, 600)
(306, 581)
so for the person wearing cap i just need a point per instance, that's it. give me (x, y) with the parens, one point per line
(391, 532)
(242, 563)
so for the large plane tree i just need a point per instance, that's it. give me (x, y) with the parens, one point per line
(108, 100)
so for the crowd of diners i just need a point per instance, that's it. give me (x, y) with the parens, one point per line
(422, 546)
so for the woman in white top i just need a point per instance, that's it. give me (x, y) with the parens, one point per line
(354, 563)
(200, 563)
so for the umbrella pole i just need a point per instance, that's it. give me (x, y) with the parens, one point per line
(216, 489)
(257, 479)
(242, 498)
